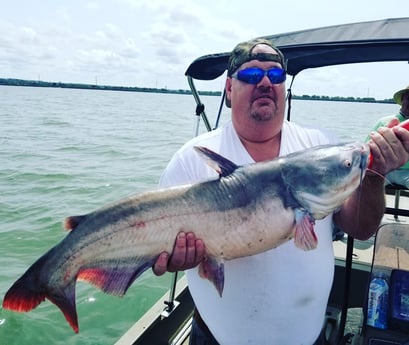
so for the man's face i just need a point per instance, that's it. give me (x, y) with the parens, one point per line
(405, 103)
(260, 102)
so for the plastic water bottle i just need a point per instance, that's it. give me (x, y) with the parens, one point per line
(378, 302)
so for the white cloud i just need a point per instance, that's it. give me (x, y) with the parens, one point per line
(153, 42)
(93, 5)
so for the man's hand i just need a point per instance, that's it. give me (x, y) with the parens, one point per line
(188, 252)
(361, 213)
(389, 148)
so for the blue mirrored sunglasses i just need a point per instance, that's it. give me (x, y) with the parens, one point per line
(254, 75)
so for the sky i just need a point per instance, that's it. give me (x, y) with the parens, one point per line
(150, 43)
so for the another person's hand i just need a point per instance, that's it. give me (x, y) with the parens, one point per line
(389, 148)
(188, 252)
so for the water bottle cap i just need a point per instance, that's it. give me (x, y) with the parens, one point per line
(380, 274)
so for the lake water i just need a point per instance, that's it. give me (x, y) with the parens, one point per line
(67, 152)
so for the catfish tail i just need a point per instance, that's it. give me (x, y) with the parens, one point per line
(32, 289)
(21, 297)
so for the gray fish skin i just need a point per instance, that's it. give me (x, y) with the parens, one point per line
(233, 215)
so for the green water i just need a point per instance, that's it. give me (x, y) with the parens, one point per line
(66, 152)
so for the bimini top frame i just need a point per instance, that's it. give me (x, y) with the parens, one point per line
(372, 41)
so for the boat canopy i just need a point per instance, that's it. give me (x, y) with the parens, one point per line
(372, 41)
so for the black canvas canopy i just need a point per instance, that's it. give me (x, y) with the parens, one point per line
(380, 40)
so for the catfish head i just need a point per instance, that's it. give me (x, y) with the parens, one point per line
(325, 176)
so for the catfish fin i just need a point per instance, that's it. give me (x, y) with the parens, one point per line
(304, 236)
(66, 303)
(213, 270)
(22, 296)
(223, 166)
(115, 279)
(70, 223)
(25, 294)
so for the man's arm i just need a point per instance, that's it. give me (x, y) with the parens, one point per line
(361, 214)
(363, 211)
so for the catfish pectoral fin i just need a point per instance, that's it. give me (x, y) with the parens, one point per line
(304, 235)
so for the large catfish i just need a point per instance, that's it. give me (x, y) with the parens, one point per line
(247, 210)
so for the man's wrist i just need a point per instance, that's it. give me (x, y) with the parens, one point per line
(374, 180)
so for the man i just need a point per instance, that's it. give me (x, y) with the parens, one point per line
(279, 296)
(399, 176)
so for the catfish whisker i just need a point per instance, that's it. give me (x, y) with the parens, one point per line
(379, 174)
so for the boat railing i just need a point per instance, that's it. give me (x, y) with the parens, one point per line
(174, 327)
(200, 108)
(171, 303)
(397, 191)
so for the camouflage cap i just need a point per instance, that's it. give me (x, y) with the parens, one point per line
(398, 95)
(243, 53)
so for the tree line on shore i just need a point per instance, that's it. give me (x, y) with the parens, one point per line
(39, 83)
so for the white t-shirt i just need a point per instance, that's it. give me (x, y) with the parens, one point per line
(276, 297)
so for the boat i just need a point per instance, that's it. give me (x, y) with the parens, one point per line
(169, 320)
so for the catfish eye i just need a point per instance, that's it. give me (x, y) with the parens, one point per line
(347, 163)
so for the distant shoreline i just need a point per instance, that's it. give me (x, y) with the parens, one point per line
(39, 83)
